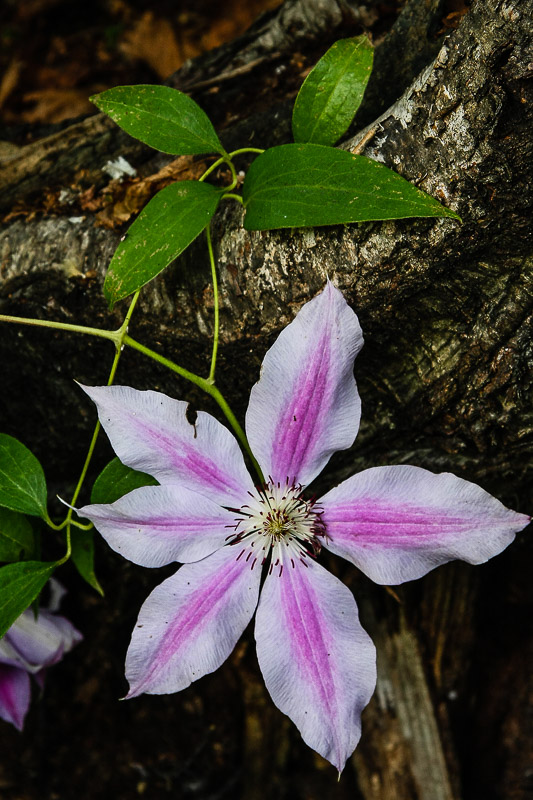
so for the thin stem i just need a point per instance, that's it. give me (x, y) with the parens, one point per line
(226, 160)
(190, 376)
(230, 416)
(207, 387)
(212, 168)
(121, 334)
(245, 150)
(81, 525)
(62, 326)
(122, 331)
(235, 179)
(211, 378)
(85, 467)
(125, 325)
(58, 527)
(233, 197)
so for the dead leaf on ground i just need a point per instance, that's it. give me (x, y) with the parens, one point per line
(10, 79)
(153, 41)
(32, 8)
(67, 75)
(237, 17)
(121, 200)
(55, 105)
(454, 11)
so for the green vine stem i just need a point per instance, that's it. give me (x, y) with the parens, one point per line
(211, 378)
(233, 196)
(208, 388)
(122, 332)
(119, 338)
(225, 160)
(114, 336)
(245, 150)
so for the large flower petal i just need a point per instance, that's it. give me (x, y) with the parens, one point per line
(190, 624)
(318, 663)
(32, 643)
(14, 695)
(398, 523)
(156, 525)
(150, 432)
(305, 405)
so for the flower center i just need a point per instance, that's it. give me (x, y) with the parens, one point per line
(278, 522)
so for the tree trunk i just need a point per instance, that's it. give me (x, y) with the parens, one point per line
(445, 379)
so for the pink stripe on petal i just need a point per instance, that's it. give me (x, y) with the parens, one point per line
(155, 525)
(398, 523)
(317, 661)
(14, 695)
(305, 405)
(299, 422)
(150, 432)
(190, 624)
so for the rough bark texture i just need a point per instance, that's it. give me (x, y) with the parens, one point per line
(445, 378)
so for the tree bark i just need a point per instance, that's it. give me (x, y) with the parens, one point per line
(445, 375)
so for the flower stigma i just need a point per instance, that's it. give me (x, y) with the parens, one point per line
(279, 522)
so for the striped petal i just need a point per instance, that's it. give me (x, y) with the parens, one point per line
(150, 432)
(398, 523)
(318, 663)
(305, 405)
(155, 525)
(190, 624)
(14, 695)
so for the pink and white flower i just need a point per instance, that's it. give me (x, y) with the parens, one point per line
(394, 523)
(30, 646)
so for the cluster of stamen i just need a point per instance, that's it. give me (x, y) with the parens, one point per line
(278, 523)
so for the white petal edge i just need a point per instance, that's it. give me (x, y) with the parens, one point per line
(150, 432)
(397, 523)
(305, 405)
(156, 525)
(190, 624)
(318, 663)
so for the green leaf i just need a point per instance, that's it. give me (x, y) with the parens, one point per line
(116, 480)
(19, 586)
(22, 481)
(83, 556)
(332, 92)
(298, 185)
(164, 228)
(161, 117)
(16, 536)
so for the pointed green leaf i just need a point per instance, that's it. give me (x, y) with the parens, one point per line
(164, 228)
(16, 536)
(116, 480)
(332, 92)
(83, 556)
(22, 481)
(19, 586)
(161, 117)
(299, 185)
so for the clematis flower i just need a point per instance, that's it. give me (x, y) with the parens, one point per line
(30, 646)
(247, 547)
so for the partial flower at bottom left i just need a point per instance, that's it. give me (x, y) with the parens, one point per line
(31, 645)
